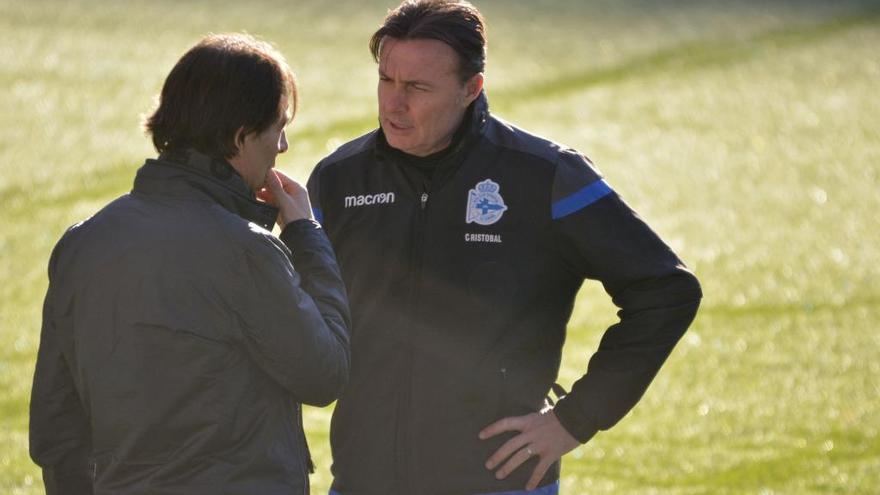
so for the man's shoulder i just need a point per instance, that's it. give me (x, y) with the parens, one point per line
(574, 175)
(97, 221)
(192, 222)
(506, 135)
(563, 158)
(350, 151)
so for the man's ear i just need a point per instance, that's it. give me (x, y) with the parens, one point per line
(473, 86)
(238, 140)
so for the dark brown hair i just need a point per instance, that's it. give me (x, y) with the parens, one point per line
(225, 82)
(456, 23)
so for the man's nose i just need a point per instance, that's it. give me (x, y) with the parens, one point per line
(282, 143)
(396, 100)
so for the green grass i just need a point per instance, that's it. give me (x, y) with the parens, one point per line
(746, 133)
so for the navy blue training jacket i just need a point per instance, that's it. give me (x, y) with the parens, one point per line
(461, 280)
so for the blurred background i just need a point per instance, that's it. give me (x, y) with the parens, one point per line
(745, 132)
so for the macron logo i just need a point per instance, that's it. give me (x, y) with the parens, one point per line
(369, 199)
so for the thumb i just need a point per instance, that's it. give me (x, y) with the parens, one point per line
(266, 195)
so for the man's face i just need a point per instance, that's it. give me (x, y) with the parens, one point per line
(257, 151)
(421, 98)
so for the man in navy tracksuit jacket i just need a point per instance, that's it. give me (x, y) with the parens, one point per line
(463, 241)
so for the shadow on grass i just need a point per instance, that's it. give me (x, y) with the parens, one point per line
(805, 307)
(680, 58)
(845, 449)
(695, 55)
(114, 181)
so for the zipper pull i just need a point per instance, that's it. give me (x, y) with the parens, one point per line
(424, 200)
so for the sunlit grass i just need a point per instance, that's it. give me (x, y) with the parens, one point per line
(747, 134)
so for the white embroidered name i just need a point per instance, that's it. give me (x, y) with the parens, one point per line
(369, 199)
(493, 238)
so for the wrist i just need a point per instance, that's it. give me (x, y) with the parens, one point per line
(574, 421)
(286, 216)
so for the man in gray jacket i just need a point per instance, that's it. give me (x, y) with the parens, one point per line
(178, 339)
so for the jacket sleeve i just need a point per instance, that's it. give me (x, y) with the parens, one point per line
(296, 322)
(60, 437)
(601, 238)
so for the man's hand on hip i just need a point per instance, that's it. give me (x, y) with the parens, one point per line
(288, 195)
(540, 434)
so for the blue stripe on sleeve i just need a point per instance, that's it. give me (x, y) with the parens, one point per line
(581, 199)
(318, 215)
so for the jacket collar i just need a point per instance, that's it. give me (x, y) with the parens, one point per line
(189, 174)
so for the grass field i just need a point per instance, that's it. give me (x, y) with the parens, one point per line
(747, 133)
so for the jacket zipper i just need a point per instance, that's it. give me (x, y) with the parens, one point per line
(404, 416)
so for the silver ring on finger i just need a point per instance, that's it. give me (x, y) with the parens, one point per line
(529, 451)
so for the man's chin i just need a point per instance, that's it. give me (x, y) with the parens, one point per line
(397, 143)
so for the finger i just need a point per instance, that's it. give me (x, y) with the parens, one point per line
(284, 178)
(538, 473)
(515, 461)
(291, 186)
(265, 194)
(512, 423)
(506, 450)
(294, 188)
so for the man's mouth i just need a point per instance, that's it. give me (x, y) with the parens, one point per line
(397, 126)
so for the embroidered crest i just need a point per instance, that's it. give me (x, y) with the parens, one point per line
(485, 206)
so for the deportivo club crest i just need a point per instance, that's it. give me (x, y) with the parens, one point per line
(485, 206)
